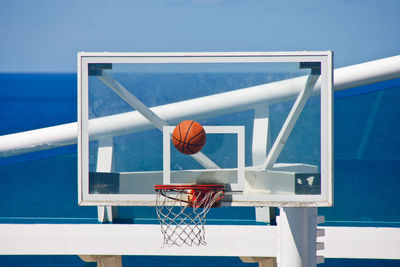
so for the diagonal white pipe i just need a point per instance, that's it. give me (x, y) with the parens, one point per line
(290, 122)
(214, 105)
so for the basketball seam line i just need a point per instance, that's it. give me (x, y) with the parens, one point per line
(187, 143)
(184, 141)
(180, 135)
(196, 136)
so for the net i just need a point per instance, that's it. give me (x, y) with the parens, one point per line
(182, 211)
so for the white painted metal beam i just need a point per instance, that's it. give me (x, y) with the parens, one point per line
(367, 73)
(97, 239)
(361, 242)
(222, 240)
(66, 134)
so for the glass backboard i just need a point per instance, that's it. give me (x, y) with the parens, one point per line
(267, 116)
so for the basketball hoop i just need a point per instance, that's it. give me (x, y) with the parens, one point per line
(182, 210)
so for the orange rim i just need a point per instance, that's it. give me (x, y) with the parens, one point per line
(201, 188)
(189, 187)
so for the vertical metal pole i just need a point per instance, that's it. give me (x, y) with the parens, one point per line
(259, 154)
(260, 135)
(104, 164)
(297, 236)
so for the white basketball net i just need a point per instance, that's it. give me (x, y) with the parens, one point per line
(182, 214)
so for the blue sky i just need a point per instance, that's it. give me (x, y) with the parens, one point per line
(45, 36)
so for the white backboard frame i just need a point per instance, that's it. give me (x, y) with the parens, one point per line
(324, 83)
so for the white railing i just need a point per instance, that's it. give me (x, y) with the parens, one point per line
(243, 99)
(139, 239)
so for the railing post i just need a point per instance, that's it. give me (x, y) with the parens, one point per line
(297, 237)
(104, 164)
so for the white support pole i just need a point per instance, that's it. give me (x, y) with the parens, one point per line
(297, 237)
(259, 153)
(129, 98)
(104, 164)
(290, 121)
(104, 155)
(260, 135)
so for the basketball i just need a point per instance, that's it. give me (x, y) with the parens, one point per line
(189, 137)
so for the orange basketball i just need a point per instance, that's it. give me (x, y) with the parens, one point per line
(189, 137)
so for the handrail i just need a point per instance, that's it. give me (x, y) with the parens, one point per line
(238, 100)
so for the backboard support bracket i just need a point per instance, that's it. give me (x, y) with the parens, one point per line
(96, 69)
(314, 66)
(291, 120)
